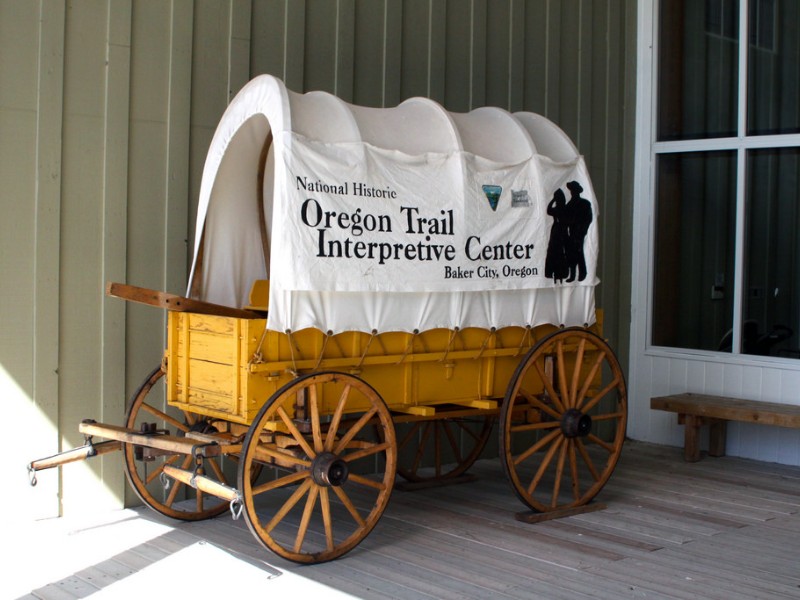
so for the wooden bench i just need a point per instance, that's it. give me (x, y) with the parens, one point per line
(696, 410)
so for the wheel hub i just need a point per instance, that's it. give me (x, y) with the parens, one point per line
(329, 470)
(576, 424)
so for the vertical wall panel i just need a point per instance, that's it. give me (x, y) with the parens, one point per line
(458, 55)
(114, 243)
(31, 76)
(176, 181)
(496, 48)
(321, 18)
(47, 236)
(369, 52)
(82, 231)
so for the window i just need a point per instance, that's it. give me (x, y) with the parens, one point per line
(726, 252)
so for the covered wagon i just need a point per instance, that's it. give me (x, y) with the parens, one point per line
(371, 290)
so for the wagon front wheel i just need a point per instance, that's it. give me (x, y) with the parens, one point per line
(563, 421)
(329, 475)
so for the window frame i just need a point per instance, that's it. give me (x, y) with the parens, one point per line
(651, 148)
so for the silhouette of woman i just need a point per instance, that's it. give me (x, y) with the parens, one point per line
(555, 263)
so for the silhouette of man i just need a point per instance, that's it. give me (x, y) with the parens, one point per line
(578, 215)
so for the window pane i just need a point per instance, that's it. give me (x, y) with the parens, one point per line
(773, 96)
(694, 250)
(772, 277)
(698, 72)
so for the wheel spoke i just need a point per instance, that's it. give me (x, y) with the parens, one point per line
(337, 417)
(573, 467)
(562, 455)
(173, 493)
(354, 430)
(378, 485)
(551, 391)
(160, 469)
(589, 379)
(561, 368)
(325, 504)
(296, 433)
(369, 451)
(437, 449)
(407, 437)
(426, 433)
(540, 444)
(160, 414)
(576, 372)
(600, 395)
(545, 463)
(289, 505)
(311, 500)
(217, 470)
(463, 426)
(536, 403)
(605, 445)
(348, 504)
(534, 426)
(586, 459)
(281, 482)
(319, 443)
(452, 440)
(265, 452)
(608, 416)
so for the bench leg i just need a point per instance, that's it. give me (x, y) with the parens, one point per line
(718, 435)
(691, 443)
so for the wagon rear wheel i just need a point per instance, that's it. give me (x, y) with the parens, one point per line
(442, 449)
(144, 467)
(563, 421)
(331, 474)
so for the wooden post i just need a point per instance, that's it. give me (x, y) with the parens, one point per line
(718, 430)
(691, 445)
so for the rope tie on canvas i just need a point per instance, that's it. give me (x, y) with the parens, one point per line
(525, 337)
(328, 334)
(409, 347)
(366, 348)
(485, 343)
(453, 335)
(293, 370)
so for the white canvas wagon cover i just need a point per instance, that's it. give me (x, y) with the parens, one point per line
(394, 219)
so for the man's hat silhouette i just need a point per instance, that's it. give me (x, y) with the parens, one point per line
(575, 187)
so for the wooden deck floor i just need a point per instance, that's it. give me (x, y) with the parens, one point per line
(722, 528)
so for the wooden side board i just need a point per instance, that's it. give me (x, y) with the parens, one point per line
(696, 410)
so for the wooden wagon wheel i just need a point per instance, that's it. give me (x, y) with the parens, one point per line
(325, 496)
(563, 421)
(453, 446)
(144, 467)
